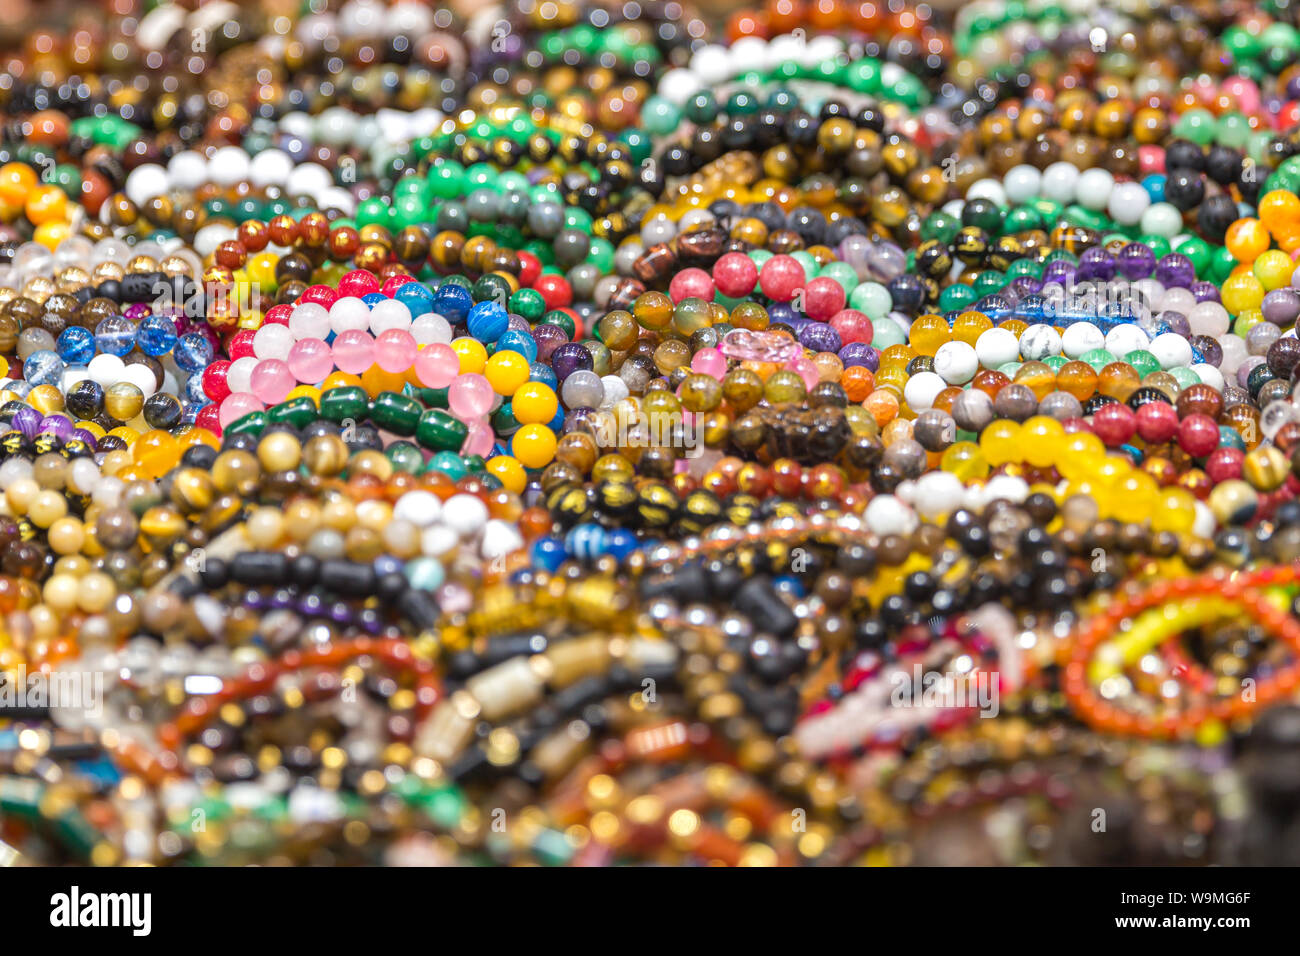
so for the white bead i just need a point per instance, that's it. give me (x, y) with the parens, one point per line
(1209, 375)
(106, 369)
(188, 170)
(1204, 524)
(350, 314)
(887, 514)
(987, 189)
(430, 328)
(786, 48)
(438, 540)
(208, 238)
(1208, 318)
(1059, 181)
(270, 167)
(615, 390)
(822, 49)
(1081, 337)
(1178, 300)
(921, 390)
(338, 198)
(499, 539)
(1009, 487)
(465, 514)
(1093, 189)
(679, 85)
(711, 63)
(1127, 203)
(145, 182)
(1126, 338)
(1171, 350)
(309, 179)
(997, 347)
(1021, 183)
(1038, 342)
(421, 508)
(229, 165)
(1162, 219)
(297, 124)
(273, 342)
(938, 493)
(389, 314)
(239, 376)
(142, 377)
(956, 362)
(750, 53)
(1234, 353)
(309, 320)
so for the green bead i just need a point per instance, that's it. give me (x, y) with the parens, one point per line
(447, 179)
(438, 430)
(957, 297)
(1097, 358)
(299, 412)
(396, 413)
(449, 463)
(404, 456)
(528, 303)
(251, 424)
(344, 403)
(1143, 361)
(562, 319)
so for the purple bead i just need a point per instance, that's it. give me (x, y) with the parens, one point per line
(339, 612)
(518, 323)
(859, 353)
(60, 426)
(137, 311)
(1205, 291)
(1209, 347)
(1137, 261)
(1096, 263)
(83, 435)
(820, 337)
(549, 338)
(28, 421)
(569, 358)
(1025, 285)
(1059, 271)
(1281, 307)
(784, 313)
(1248, 366)
(1176, 321)
(1175, 270)
(310, 605)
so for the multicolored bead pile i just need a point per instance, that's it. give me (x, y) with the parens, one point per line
(589, 433)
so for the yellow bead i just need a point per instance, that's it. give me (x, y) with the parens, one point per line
(966, 460)
(1273, 269)
(1000, 442)
(534, 446)
(509, 472)
(1242, 292)
(928, 333)
(472, 354)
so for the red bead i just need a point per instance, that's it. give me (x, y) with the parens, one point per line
(556, 291)
(241, 344)
(735, 275)
(853, 326)
(393, 283)
(781, 277)
(214, 381)
(209, 417)
(822, 298)
(691, 284)
(278, 314)
(1157, 422)
(1114, 424)
(320, 294)
(358, 282)
(1224, 464)
(1198, 435)
(530, 267)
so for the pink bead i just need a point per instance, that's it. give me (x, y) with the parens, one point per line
(310, 360)
(479, 440)
(1244, 91)
(271, 381)
(1151, 159)
(691, 283)
(354, 351)
(436, 365)
(822, 298)
(781, 277)
(470, 397)
(709, 362)
(807, 371)
(853, 326)
(236, 405)
(395, 350)
(735, 275)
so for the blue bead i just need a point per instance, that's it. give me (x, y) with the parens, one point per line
(193, 352)
(556, 424)
(193, 390)
(513, 340)
(372, 299)
(115, 335)
(452, 302)
(548, 553)
(541, 372)
(416, 298)
(487, 321)
(1155, 187)
(622, 542)
(76, 345)
(43, 367)
(157, 335)
(586, 541)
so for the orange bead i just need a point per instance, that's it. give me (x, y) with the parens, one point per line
(1247, 239)
(857, 382)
